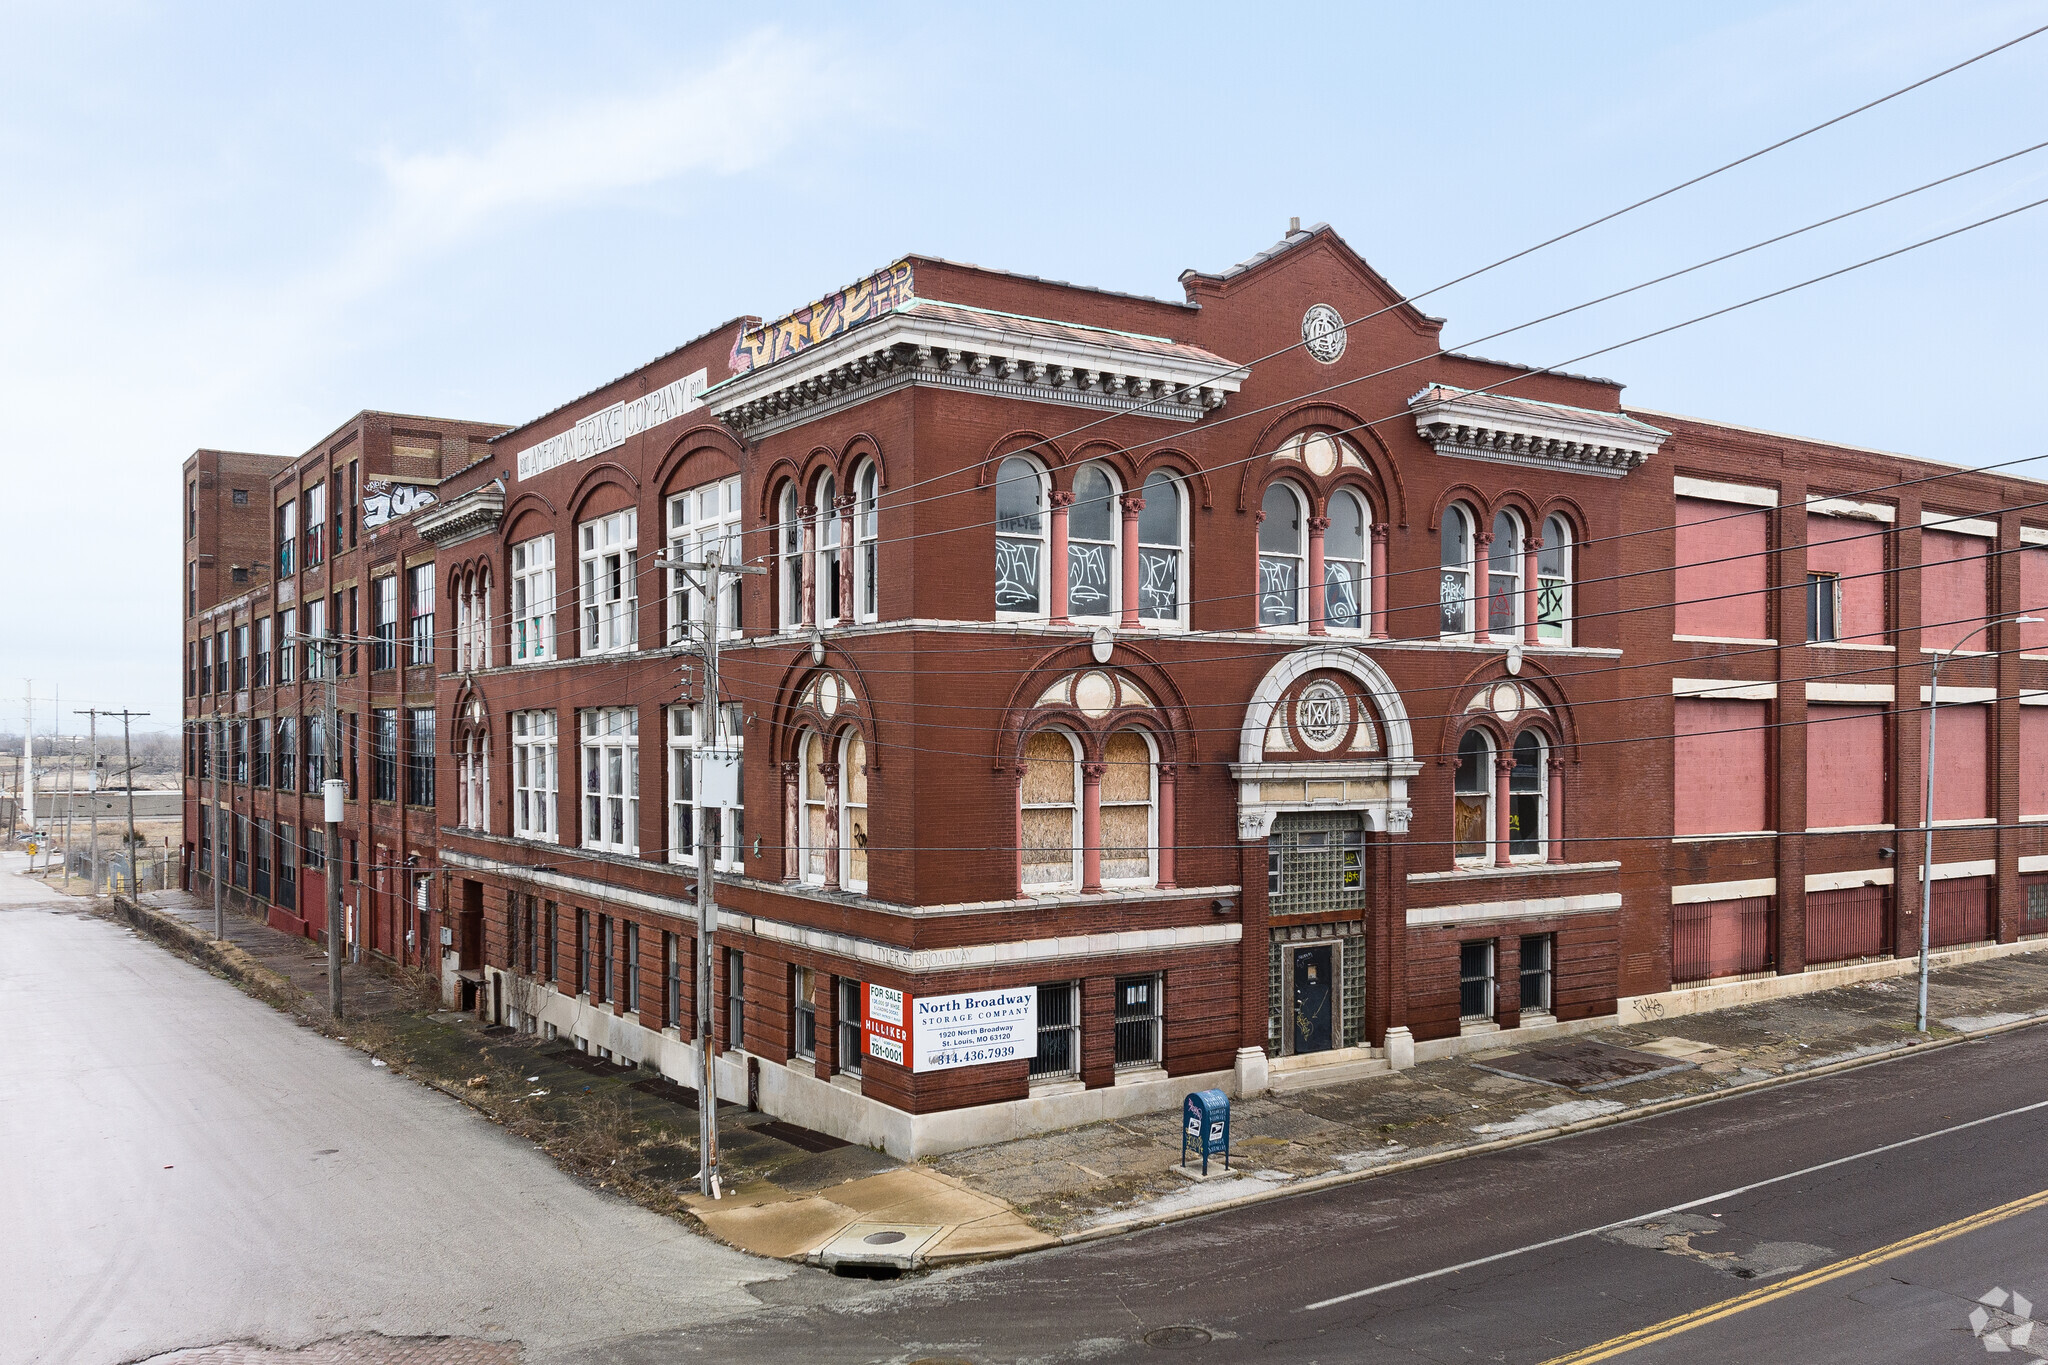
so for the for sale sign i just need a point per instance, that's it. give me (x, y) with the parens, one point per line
(884, 1033)
(974, 1028)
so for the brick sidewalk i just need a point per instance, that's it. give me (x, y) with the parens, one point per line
(1067, 1182)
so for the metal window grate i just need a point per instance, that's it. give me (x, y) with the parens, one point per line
(1316, 863)
(1137, 1020)
(1059, 1032)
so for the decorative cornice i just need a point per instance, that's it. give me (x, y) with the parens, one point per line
(475, 513)
(1481, 426)
(976, 353)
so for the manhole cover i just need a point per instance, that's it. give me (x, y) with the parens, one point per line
(882, 1239)
(1176, 1338)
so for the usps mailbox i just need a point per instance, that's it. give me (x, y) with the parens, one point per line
(1205, 1125)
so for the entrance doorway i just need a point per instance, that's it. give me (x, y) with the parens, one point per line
(1314, 998)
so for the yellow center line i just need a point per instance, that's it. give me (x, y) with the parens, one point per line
(1756, 1298)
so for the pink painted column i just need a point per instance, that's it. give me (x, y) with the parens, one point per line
(1091, 825)
(846, 608)
(1166, 826)
(1556, 810)
(1056, 572)
(1482, 598)
(810, 550)
(1378, 621)
(1132, 504)
(1017, 788)
(1501, 768)
(1318, 607)
(1530, 545)
(792, 867)
(830, 773)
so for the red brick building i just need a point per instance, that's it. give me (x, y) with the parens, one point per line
(1276, 694)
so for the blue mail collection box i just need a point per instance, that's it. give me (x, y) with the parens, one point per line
(1205, 1126)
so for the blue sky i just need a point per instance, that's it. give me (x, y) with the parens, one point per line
(235, 226)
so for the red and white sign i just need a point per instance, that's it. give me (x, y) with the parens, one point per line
(884, 1032)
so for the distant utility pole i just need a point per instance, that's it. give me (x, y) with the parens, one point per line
(707, 852)
(92, 784)
(28, 755)
(128, 765)
(333, 793)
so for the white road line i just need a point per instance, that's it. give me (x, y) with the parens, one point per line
(1675, 1208)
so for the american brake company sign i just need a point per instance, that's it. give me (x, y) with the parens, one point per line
(607, 430)
(940, 1032)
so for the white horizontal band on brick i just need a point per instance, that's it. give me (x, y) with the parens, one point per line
(1948, 872)
(1849, 507)
(2033, 697)
(983, 954)
(1827, 691)
(1701, 892)
(1713, 490)
(1721, 640)
(2034, 862)
(1961, 695)
(1959, 526)
(1843, 881)
(2034, 535)
(1529, 909)
(1724, 689)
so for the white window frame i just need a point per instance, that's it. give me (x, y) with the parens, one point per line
(803, 1010)
(1179, 619)
(807, 850)
(533, 600)
(476, 781)
(1515, 536)
(1070, 991)
(1111, 607)
(1361, 586)
(1073, 878)
(607, 581)
(534, 776)
(420, 588)
(683, 743)
(789, 560)
(867, 549)
(610, 754)
(699, 518)
(1298, 556)
(1541, 834)
(1151, 804)
(1490, 979)
(1554, 567)
(1024, 542)
(825, 538)
(1155, 991)
(1834, 606)
(1489, 754)
(847, 739)
(1462, 625)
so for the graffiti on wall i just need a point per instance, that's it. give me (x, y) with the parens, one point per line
(862, 301)
(386, 501)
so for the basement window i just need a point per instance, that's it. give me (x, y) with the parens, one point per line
(1475, 982)
(1138, 1000)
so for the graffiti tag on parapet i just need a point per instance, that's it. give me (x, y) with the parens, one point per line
(384, 501)
(860, 302)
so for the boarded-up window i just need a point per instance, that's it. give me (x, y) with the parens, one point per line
(2034, 760)
(1962, 912)
(1845, 924)
(1718, 778)
(1854, 552)
(2034, 598)
(1845, 770)
(1960, 788)
(1721, 581)
(1051, 814)
(1954, 588)
(1126, 807)
(1721, 938)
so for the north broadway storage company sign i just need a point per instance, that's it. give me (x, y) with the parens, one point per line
(973, 1028)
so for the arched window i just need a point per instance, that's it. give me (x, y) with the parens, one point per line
(1052, 811)
(1472, 789)
(480, 628)
(867, 562)
(476, 781)
(1504, 576)
(1020, 537)
(1160, 550)
(1129, 839)
(1527, 800)
(812, 833)
(1346, 565)
(1554, 582)
(1093, 567)
(853, 817)
(824, 506)
(1456, 578)
(789, 578)
(1281, 579)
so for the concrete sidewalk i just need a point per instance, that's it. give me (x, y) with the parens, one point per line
(1108, 1176)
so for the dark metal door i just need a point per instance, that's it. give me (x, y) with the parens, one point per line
(1314, 998)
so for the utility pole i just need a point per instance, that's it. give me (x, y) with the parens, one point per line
(128, 762)
(70, 802)
(333, 792)
(217, 745)
(92, 784)
(707, 852)
(28, 756)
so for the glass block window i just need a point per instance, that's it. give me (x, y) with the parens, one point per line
(1315, 862)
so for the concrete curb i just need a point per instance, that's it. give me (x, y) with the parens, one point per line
(225, 958)
(1677, 1102)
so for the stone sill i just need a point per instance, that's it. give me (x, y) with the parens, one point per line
(1141, 1075)
(1466, 874)
(1851, 644)
(1732, 834)
(1064, 1085)
(1720, 640)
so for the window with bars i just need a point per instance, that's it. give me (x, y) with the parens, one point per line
(607, 581)
(611, 779)
(384, 754)
(1536, 972)
(1475, 981)
(1139, 1013)
(533, 774)
(1315, 862)
(1059, 1032)
(419, 756)
(533, 600)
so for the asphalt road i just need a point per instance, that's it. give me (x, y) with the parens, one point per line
(181, 1166)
